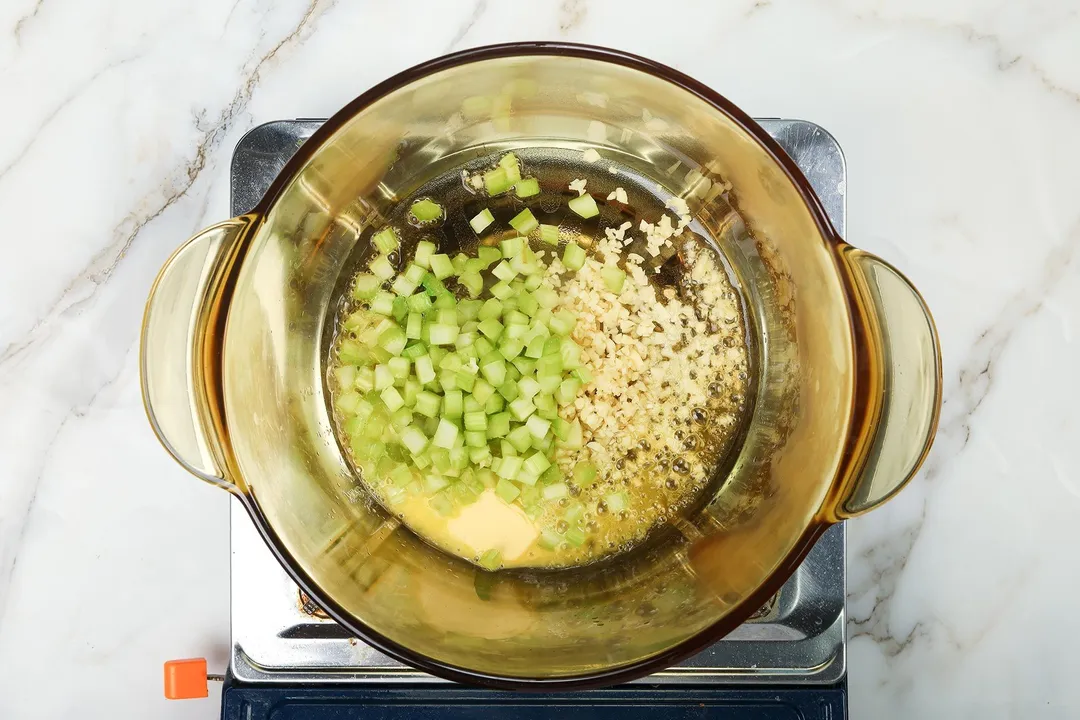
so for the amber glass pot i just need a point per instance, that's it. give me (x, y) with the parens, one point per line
(847, 392)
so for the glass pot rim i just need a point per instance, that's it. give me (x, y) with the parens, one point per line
(820, 522)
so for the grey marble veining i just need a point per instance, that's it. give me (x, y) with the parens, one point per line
(958, 121)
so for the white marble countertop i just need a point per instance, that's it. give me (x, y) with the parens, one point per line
(959, 120)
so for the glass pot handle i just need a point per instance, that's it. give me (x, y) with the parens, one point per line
(902, 369)
(176, 347)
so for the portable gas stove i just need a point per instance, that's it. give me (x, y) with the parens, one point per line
(290, 661)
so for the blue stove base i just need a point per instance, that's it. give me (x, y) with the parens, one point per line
(282, 702)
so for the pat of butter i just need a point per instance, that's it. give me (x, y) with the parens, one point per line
(490, 523)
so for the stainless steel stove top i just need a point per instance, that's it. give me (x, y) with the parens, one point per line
(279, 636)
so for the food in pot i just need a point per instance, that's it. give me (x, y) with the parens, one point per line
(546, 397)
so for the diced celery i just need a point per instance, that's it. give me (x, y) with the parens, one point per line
(573, 256)
(443, 334)
(537, 463)
(524, 222)
(464, 340)
(427, 403)
(481, 221)
(392, 398)
(365, 379)
(509, 390)
(501, 290)
(512, 247)
(617, 501)
(507, 490)
(583, 374)
(528, 387)
(549, 234)
(383, 377)
(575, 536)
(441, 266)
(434, 483)
(490, 328)
(442, 504)
(382, 268)
(613, 279)
(503, 271)
(445, 435)
(365, 286)
(491, 308)
(584, 474)
(426, 210)
(475, 439)
(445, 300)
(459, 456)
(425, 370)
(347, 402)
(568, 391)
(424, 250)
(516, 332)
(383, 303)
(491, 560)
(488, 255)
(550, 366)
(413, 326)
(527, 303)
(555, 491)
(545, 403)
(352, 352)
(524, 365)
(414, 439)
(399, 368)
(535, 347)
(527, 187)
(574, 436)
(345, 376)
(402, 286)
(496, 181)
(420, 302)
(585, 206)
(452, 404)
(433, 284)
(465, 380)
(519, 438)
(574, 514)
(472, 282)
(509, 467)
(386, 240)
(509, 160)
(510, 348)
(549, 539)
(538, 428)
(522, 408)
(514, 317)
(570, 353)
(494, 371)
(482, 390)
(549, 383)
(498, 425)
(562, 322)
(480, 456)
(459, 263)
(400, 308)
